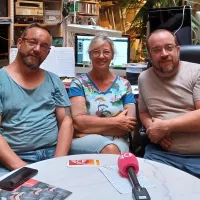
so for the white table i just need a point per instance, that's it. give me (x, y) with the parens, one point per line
(89, 183)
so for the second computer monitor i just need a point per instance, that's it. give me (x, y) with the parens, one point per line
(122, 47)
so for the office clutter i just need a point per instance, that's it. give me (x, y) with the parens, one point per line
(25, 12)
(36, 11)
(28, 11)
(136, 67)
(133, 71)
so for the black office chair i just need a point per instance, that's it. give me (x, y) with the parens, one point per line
(189, 53)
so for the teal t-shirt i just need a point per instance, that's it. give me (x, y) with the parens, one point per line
(28, 115)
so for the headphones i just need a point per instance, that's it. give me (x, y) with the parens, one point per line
(65, 8)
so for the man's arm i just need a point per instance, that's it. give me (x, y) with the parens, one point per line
(186, 123)
(65, 133)
(8, 157)
(145, 118)
(93, 124)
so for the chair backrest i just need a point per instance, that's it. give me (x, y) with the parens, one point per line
(190, 53)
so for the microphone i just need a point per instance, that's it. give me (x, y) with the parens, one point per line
(129, 167)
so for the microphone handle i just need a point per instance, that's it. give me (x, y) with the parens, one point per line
(138, 192)
(133, 178)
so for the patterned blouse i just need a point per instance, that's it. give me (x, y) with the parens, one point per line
(102, 104)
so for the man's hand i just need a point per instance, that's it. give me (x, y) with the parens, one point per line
(125, 122)
(158, 130)
(20, 164)
(166, 142)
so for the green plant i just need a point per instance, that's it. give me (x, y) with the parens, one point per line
(138, 24)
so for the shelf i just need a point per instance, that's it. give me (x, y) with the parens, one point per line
(20, 25)
(47, 1)
(5, 18)
(86, 14)
(92, 2)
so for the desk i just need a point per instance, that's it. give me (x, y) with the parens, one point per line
(89, 183)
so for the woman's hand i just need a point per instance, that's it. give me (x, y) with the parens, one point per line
(125, 122)
(80, 135)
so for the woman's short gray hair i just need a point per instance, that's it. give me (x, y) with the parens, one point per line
(100, 40)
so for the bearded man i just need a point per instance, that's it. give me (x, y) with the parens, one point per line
(169, 102)
(34, 125)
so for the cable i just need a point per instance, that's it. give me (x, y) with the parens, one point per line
(63, 19)
(4, 38)
(196, 40)
(182, 20)
(13, 43)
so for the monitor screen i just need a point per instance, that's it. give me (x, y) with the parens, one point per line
(122, 48)
(174, 20)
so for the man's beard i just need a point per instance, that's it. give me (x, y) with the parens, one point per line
(167, 72)
(168, 69)
(27, 61)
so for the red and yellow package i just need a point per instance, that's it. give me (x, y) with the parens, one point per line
(84, 163)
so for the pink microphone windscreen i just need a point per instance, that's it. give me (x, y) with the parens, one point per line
(126, 160)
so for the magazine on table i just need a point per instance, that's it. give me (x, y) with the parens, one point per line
(35, 190)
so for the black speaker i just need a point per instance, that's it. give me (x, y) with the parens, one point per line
(174, 19)
(3, 8)
(3, 38)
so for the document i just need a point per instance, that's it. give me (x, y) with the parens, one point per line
(120, 183)
(13, 54)
(61, 61)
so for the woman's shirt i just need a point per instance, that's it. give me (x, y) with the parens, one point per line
(103, 104)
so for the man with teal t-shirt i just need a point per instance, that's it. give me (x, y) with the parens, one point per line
(34, 124)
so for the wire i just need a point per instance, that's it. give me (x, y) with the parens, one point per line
(4, 38)
(196, 39)
(182, 20)
(13, 42)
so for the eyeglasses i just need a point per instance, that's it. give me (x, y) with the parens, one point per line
(97, 53)
(158, 50)
(33, 43)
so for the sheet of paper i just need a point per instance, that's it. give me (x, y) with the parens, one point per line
(49, 63)
(60, 61)
(120, 183)
(13, 54)
(65, 61)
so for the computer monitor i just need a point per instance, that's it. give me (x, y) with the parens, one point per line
(173, 19)
(122, 47)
